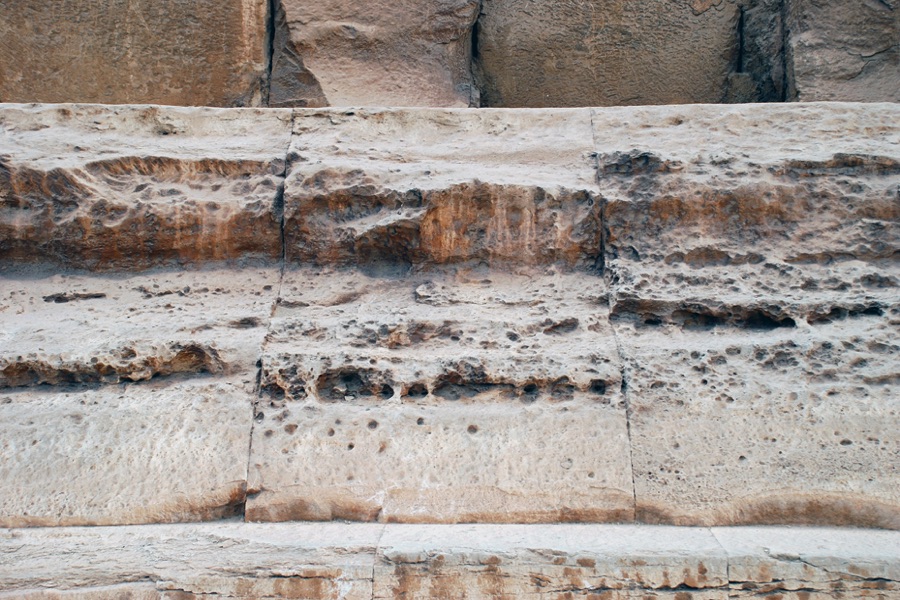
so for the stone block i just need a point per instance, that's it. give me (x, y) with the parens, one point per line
(599, 53)
(195, 53)
(345, 53)
(133, 187)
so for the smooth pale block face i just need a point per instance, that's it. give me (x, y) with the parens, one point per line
(481, 396)
(162, 451)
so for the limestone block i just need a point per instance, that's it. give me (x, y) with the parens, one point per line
(485, 397)
(573, 561)
(601, 53)
(394, 189)
(199, 52)
(345, 53)
(832, 562)
(785, 426)
(103, 187)
(144, 453)
(847, 51)
(108, 330)
(173, 562)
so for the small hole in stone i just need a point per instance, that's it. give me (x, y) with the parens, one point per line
(420, 421)
(350, 446)
(530, 389)
(386, 391)
(373, 424)
(473, 429)
(846, 442)
(331, 433)
(598, 386)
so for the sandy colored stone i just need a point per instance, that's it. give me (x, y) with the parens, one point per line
(390, 189)
(104, 188)
(165, 451)
(305, 560)
(775, 560)
(343, 53)
(599, 53)
(201, 52)
(60, 329)
(516, 561)
(475, 398)
(843, 51)
(128, 399)
(224, 559)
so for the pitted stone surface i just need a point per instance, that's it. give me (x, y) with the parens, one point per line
(476, 397)
(390, 189)
(112, 188)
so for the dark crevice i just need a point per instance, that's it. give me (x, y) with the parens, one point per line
(739, 67)
(270, 48)
(478, 94)
(785, 35)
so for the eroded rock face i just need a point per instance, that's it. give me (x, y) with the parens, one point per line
(476, 398)
(389, 189)
(670, 314)
(343, 53)
(195, 53)
(133, 187)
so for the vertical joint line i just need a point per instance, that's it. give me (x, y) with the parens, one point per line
(785, 34)
(739, 67)
(272, 8)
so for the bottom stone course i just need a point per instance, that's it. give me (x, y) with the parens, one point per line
(231, 559)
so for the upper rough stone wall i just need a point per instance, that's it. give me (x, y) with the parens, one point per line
(448, 53)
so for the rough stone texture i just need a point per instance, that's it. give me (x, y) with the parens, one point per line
(650, 293)
(235, 560)
(479, 397)
(600, 53)
(132, 187)
(142, 453)
(345, 53)
(197, 52)
(391, 189)
(169, 443)
(180, 562)
(754, 288)
(843, 51)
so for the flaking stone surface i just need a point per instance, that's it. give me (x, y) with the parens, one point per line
(100, 187)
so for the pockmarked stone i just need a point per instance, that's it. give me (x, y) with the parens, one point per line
(344, 53)
(194, 53)
(478, 398)
(389, 189)
(153, 452)
(753, 293)
(116, 188)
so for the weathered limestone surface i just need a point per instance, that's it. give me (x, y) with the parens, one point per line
(391, 189)
(196, 52)
(475, 398)
(235, 560)
(754, 297)
(132, 187)
(128, 399)
(843, 51)
(601, 53)
(672, 314)
(346, 53)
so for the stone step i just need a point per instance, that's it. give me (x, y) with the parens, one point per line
(231, 559)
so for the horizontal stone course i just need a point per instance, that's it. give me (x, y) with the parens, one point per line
(303, 560)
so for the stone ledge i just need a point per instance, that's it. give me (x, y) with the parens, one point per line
(338, 560)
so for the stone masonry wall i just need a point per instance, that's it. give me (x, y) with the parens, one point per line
(452, 53)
